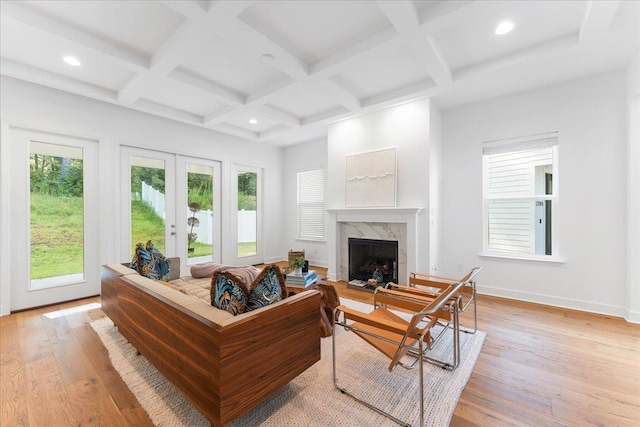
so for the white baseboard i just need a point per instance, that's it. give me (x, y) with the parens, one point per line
(632, 316)
(589, 306)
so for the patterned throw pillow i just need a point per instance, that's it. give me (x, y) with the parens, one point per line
(267, 288)
(149, 262)
(228, 293)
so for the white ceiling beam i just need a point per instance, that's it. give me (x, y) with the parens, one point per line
(180, 45)
(133, 89)
(563, 45)
(220, 115)
(213, 90)
(262, 96)
(123, 57)
(183, 43)
(448, 13)
(345, 58)
(329, 115)
(192, 10)
(31, 74)
(168, 112)
(341, 95)
(280, 116)
(402, 94)
(225, 9)
(273, 132)
(596, 20)
(232, 130)
(404, 17)
(428, 54)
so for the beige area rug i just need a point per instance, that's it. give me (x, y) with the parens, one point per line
(311, 399)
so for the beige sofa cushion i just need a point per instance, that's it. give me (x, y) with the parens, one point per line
(189, 302)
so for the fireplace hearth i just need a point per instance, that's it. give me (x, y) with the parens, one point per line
(372, 259)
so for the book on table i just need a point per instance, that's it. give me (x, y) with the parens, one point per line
(302, 280)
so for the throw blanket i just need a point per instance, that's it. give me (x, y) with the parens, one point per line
(247, 273)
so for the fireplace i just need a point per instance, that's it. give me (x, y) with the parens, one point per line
(373, 259)
(400, 224)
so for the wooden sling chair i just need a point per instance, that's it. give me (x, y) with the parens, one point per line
(431, 286)
(403, 341)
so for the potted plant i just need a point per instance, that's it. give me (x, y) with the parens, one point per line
(192, 221)
(298, 263)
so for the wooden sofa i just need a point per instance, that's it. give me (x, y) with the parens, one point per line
(224, 365)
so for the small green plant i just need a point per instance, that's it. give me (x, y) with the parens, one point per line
(297, 262)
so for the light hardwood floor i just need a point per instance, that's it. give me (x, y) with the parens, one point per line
(539, 366)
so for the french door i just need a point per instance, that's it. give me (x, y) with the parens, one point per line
(148, 206)
(54, 218)
(173, 201)
(247, 182)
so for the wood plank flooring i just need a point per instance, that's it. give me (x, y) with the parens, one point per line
(539, 366)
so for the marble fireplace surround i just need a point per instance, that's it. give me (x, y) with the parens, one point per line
(399, 224)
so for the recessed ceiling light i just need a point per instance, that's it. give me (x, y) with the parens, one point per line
(253, 121)
(267, 58)
(504, 27)
(72, 60)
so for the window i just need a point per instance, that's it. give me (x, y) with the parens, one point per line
(521, 197)
(311, 205)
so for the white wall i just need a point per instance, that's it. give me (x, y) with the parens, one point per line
(405, 127)
(590, 115)
(301, 158)
(435, 184)
(37, 107)
(632, 308)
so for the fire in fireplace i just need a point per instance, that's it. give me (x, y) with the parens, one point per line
(373, 259)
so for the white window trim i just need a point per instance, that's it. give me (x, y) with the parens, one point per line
(545, 139)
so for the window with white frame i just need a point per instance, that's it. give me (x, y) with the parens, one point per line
(311, 205)
(521, 197)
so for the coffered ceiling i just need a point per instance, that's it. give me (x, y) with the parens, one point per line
(296, 66)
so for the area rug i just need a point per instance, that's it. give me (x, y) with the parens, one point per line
(311, 399)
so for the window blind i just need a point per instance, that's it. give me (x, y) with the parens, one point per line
(311, 204)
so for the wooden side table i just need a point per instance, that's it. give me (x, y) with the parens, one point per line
(329, 300)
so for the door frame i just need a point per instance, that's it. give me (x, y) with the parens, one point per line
(182, 211)
(126, 245)
(22, 294)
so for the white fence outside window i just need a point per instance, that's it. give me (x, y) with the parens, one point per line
(246, 219)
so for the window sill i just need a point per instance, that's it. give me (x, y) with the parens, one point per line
(544, 258)
(311, 239)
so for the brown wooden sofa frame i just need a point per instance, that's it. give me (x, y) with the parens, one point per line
(223, 369)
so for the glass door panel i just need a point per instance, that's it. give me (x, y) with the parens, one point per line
(148, 202)
(56, 214)
(200, 218)
(247, 214)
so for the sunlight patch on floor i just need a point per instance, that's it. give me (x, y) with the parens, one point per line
(72, 310)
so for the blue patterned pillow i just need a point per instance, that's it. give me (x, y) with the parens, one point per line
(149, 262)
(228, 293)
(267, 288)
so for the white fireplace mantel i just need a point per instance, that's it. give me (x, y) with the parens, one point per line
(408, 216)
